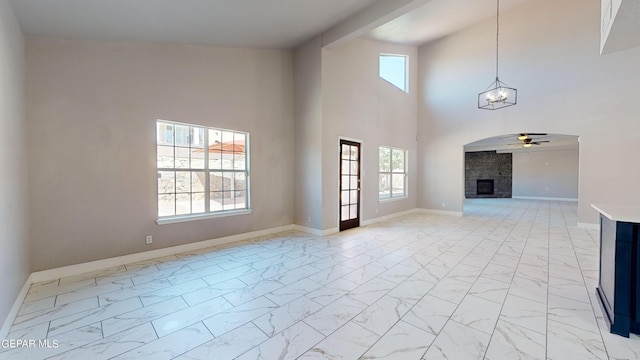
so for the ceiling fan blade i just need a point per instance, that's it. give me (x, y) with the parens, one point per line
(538, 142)
(537, 134)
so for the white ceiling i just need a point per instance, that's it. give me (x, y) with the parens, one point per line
(242, 23)
(438, 18)
(235, 23)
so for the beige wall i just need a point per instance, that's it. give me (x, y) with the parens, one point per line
(91, 110)
(358, 104)
(546, 174)
(549, 50)
(308, 134)
(14, 242)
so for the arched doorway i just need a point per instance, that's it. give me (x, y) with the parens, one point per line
(533, 166)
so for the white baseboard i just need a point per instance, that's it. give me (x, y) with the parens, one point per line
(330, 231)
(52, 274)
(544, 198)
(589, 226)
(388, 217)
(316, 232)
(441, 212)
(13, 313)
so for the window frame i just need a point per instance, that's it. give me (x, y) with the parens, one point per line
(206, 169)
(390, 195)
(405, 88)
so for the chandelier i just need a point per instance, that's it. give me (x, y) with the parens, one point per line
(497, 95)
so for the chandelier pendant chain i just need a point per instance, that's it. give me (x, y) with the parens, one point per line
(498, 95)
(497, 34)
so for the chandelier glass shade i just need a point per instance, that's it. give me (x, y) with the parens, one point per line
(498, 95)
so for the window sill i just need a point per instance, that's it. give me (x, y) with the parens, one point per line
(392, 199)
(185, 218)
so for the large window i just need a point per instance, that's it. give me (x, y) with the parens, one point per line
(393, 68)
(201, 170)
(392, 173)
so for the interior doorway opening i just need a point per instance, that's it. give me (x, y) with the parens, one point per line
(532, 166)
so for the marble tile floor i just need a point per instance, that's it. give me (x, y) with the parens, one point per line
(512, 279)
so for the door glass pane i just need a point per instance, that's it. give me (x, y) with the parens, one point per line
(344, 197)
(353, 184)
(354, 153)
(345, 151)
(353, 210)
(353, 198)
(354, 167)
(345, 183)
(345, 166)
(344, 213)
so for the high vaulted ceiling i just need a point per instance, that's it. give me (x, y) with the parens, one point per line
(234, 23)
(252, 23)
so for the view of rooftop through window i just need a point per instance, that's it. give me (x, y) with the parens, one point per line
(192, 180)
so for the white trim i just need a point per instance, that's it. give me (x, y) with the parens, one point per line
(308, 230)
(185, 218)
(348, 139)
(588, 226)
(544, 198)
(441, 212)
(13, 313)
(388, 217)
(52, 274)
(330, 231)
(316, 232)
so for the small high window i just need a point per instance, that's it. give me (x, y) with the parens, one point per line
(393, 68)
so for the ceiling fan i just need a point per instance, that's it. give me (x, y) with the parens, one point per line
(525, 136)
(527, 141)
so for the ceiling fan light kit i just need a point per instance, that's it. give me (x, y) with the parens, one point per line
(498, 95)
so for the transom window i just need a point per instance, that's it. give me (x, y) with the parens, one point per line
(393, 68)
(201, 170)
(392, 173)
